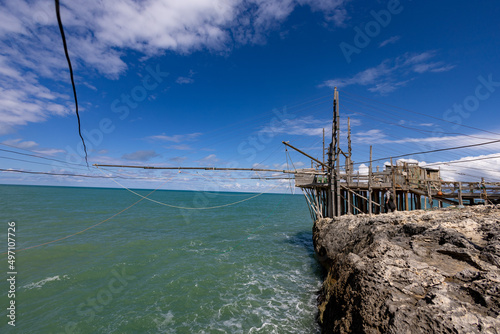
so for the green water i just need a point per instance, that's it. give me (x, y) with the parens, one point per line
(247, 268)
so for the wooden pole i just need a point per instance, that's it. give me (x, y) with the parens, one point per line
(337, 143)
(393, 173)
(323, 167)
(307, 155)
(429, 193)
(349, 165)
(460, 201)
(370, 184)
(204, 168)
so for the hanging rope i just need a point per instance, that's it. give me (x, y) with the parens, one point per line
(188, 208)
(287, 156)
(61, 29)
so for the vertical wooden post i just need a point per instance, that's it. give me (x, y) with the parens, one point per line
(460, 201)
(484, 194)
(393, 172)
(331, 165)
(429, 193)
(323, 167)
(370, 184)
(348, 166)
(337, 177)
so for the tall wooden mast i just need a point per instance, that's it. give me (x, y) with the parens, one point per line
(333, 161)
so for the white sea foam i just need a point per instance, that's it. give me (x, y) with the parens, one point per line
(163, 322)
(43, 282)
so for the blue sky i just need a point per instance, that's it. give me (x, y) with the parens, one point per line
(223, 82)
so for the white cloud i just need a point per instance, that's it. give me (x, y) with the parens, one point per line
(468, 169)
(363, 169)
(100, 32)
(369, 137)
(19, 143)
(393, 73)
(450, 141)
(303, 126)
(209, 160)
(390, 40)
(286, 166)
(176, 138)
(259, 165)
(181, 147)
(178, 159)
(145, 155)
(184, 80)
(333, 9)
(474, 141)
(50, 151)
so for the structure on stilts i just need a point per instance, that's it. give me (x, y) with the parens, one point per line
(334, 191)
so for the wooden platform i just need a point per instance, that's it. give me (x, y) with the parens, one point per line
(414, 188)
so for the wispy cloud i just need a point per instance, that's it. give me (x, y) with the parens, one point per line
(283, 166)
(304, 126)
(140, 155)
(474, 142)
(390, 40)
(176, 138)
(181, 147)
(99, 34)
(465, 169)
(209, 160)
(31, 146)
(370, 136)
(19, 143)
(451, 141)
(178, 160)
(471, 168)
(307, 126)
(186, 80)
(393, 73)
(50, 151)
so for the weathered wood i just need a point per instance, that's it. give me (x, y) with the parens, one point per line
(460, 201)
(304, 179)
(370, 183)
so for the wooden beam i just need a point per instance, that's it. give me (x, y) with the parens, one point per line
(307, 155)
(370, 184)
(202, 168)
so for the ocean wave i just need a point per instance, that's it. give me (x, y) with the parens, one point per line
(43, 282)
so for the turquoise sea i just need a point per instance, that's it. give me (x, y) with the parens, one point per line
(154, 268)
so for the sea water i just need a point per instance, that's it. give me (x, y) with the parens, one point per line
(114, 262)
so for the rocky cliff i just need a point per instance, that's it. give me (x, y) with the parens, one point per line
(411, 272)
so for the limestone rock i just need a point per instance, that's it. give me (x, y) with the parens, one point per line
(411, 272)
